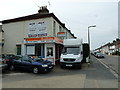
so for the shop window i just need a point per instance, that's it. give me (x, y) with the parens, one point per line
(18, 49)
(30, 50)
(49, 51)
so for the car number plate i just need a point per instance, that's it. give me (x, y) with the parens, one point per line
(50, 66)
(69, 65)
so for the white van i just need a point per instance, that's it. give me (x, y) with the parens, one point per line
(72, 54)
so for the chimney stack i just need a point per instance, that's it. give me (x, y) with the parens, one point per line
(43, 10)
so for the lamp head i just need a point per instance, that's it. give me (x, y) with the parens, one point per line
(92, 26)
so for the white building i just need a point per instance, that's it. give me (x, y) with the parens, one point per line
(105, 48)
(39, 34)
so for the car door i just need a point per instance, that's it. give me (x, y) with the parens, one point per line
(17, 62)
(26, 64)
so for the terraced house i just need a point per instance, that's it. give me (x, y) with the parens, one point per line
(112, 48)
(39, 34)
(1, 40)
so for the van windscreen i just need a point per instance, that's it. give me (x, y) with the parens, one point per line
(71, 50)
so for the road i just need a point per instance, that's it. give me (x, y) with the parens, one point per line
(111, 61)
(94, 75)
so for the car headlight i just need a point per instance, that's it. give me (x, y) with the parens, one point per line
(44, 65)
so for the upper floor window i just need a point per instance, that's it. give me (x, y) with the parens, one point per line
(60, 29)
(54, 27)
(18, 49)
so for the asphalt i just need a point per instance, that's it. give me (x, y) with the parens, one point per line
(112, 62)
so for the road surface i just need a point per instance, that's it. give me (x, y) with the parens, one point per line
(111, 61)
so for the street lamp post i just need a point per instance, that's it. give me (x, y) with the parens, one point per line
(89, 38)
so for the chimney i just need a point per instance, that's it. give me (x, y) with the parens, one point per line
(43, 10)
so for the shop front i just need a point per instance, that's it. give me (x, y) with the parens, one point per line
(49, 48)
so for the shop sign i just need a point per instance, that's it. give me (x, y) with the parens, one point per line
(43, 40)
(37, 29)
(61, 34)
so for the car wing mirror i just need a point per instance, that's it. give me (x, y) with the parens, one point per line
(30, 61)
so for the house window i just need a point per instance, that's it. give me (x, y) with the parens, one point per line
(60, 29)
(54, 27)
(18, 49)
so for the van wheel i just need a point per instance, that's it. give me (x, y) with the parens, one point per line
(62, 67)
(12, 68)
(35, 70)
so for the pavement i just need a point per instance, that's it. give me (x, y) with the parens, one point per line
(59, 81)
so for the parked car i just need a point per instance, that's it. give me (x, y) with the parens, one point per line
(35, 65)
(100, 55)
(8, 58)
(3, 65)
(94, 53)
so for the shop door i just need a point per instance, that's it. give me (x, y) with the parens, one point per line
(38, 50)
(50, 52)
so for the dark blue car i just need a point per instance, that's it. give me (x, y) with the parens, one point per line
(36, 65)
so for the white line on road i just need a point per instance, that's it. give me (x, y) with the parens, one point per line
(103, 63)
(11, 74)
(112, 71)
(115, 74)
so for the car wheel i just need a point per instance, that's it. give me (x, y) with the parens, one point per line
(35, 70)
(12, 68)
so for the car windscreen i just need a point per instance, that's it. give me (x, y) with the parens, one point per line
(71, 50)
(9, 56)
(26, 58)
(18, 57)
(100, 54)
(38, 59)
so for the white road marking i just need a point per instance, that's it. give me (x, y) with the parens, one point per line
(11, 74)
(115, 74)
(103, 63)
(112, 71)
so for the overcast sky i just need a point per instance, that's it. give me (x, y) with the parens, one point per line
(76, 14)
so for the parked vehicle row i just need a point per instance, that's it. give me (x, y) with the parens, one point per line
(35, 65)
(98, 54)
(8, 58)
(74, 54)
(3, 65)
